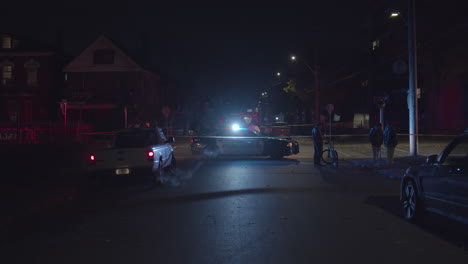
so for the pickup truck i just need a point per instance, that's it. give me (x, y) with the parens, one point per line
(135, 151)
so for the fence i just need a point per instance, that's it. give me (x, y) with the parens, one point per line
(39, 133)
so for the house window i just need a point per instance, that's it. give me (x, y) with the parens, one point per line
(31, 77)
(31, 72)
(7, 73)
(6, 42)
(103, 57)
(365, 83)
(375, 44)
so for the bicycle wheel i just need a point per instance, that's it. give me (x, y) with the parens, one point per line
(327, 157)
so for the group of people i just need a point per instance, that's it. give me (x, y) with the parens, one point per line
(389, 138)
(377, 137)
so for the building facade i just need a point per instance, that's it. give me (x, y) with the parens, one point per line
(27, 81)
(108, 90)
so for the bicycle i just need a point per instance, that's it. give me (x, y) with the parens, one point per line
(329, 155)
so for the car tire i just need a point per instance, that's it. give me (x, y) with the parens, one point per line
(412, 207)
(211, 152)
(171, 169)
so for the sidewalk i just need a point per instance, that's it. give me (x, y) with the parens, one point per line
(395, 170)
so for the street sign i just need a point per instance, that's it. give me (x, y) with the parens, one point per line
(330, 108)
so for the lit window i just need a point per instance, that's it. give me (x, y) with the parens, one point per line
(103, 57)
(6, 42)
(375, 44)
(7, 73)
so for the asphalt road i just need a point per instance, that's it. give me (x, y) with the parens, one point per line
(240, 210)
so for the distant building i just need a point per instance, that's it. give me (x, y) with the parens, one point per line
(107, 89)
(27, 81)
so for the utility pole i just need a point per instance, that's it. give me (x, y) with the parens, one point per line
(413, 80)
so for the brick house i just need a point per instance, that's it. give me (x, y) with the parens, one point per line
(107, 89)
(27, 81)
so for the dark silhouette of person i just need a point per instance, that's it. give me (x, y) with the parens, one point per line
(376, 138)
(317, 137)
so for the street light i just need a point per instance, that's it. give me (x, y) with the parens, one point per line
(412, 78)
(278, 73)
(315, 72)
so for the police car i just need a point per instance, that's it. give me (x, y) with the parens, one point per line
(242, 141)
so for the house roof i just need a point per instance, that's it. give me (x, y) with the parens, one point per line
(84, 61)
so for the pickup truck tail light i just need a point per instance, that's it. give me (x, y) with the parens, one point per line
(150, 155)
(92, 159)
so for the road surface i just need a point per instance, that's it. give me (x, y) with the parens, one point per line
(240, 210)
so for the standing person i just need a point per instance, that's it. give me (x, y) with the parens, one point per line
(317, 137)
(376, 138)
(390, 141)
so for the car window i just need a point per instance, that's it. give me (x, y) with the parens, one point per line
(135, 139)
(458, 154)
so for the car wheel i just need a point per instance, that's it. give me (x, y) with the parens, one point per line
(411, 205)
(171, 169)
(211, 152)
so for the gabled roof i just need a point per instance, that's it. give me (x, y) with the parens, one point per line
(84, 62)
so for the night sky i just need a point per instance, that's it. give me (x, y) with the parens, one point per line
(231, 48)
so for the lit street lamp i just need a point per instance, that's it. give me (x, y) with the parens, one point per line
(394, 14)
(278, 73)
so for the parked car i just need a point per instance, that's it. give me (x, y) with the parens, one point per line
(243, 142)
(135, 151)
(440, 185)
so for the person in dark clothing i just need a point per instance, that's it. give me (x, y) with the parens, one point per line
(390, 142)
(317, 137)
(376, 138)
